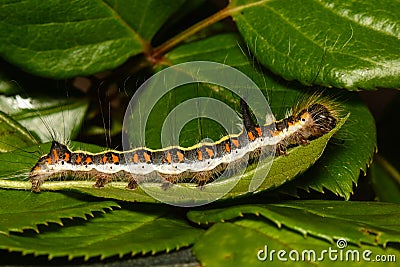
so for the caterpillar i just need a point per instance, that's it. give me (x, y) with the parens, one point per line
(199, 164)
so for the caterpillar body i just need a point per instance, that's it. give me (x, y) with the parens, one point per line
(198, 164)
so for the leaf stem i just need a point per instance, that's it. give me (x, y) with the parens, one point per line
(160, 50)
(220, 15)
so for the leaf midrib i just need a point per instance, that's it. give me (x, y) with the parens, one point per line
(126, 24)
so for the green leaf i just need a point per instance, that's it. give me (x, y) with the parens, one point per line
(22, 210)
(329, 42)
(11, 132)
(238, 244)
(385, 180)
(143, 229)
(62, 39)
(358, 222)
(44, 117)
(145, 17)
(14, 173)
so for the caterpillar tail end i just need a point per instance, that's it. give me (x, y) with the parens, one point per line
(37, 175)
(36, 182)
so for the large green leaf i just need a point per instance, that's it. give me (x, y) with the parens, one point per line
(23, 210)
(350, 44)
(67, 38)
(240, 244)
(143, 229)
(358, 222)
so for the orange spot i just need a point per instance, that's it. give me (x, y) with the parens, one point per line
(275, 133)
(66, 156)
(104, 159)
(210, 152)
(115, 158)
(227, 148)
(235, 142)
(78, 160)
(258, 129)
(37, 168)
(199, 155)
(55, 154)
(49, 161)
(136, 158)
(289, 123)
(88, 160)
(250, 135)
(181, 157)
(146, 157)
(168, 158)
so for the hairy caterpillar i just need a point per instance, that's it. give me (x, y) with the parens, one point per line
(198, 164)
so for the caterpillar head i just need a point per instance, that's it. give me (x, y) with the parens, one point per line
(317, 119)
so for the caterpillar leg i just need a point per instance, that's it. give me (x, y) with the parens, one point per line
(132, 184)
(203, 177)
(134, 180)
(36, 181)
(281, 149)
(169, 179)
(102, 180)
(298, 139)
